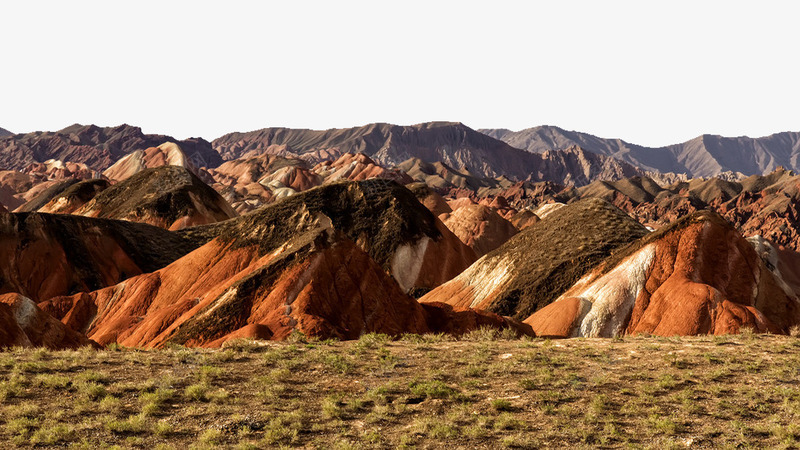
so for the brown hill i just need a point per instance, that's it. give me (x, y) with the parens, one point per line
(166, 154)
(42, 193)
(382, 217)
(13, 186)
(479, 226)
(169, 197)
(23, 324)
(672, 283)
(452, 144)
(357, 167)
(44, 255)
(94, 146)
(72, 198)
(429, 198)
(764, 205)
(537, 265)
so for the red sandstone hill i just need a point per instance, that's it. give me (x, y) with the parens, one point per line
(534, 267)
(537, 265)
(383, 218)
(479, 226)
(94, 146)
(23, 324)
(169, 197)
(357, 167)
(166, 154)
(44, 255)
(696, 276)
(330, 262)
(246, 185)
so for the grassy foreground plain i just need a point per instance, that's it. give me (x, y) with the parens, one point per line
(483, 391)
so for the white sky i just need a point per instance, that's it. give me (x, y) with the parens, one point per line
(650, 74)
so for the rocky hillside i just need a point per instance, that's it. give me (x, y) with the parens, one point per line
(334, 261)
(533, 268)
(4, 132)
(44, 255)
(703, 156)
(672, 283)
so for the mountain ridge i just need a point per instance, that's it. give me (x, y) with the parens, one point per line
(703, 156)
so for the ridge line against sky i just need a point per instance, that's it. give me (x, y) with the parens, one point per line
(651, 74)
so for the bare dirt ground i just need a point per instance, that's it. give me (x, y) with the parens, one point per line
(483, 391)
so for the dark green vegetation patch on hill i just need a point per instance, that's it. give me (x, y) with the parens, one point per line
(379, 215)
(551, 255)
(163, 192)
(83, 191)
(46, 195)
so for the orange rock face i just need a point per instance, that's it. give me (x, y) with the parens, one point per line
(44, 255)
(22, 323)
(430, 199)
(319, 283)
(480, 227)
(524, 219)
(358, 167)
(698, 276)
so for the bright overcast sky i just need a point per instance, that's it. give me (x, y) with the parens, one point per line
(648, 74)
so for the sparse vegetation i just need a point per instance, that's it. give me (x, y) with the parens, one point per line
(487, 390)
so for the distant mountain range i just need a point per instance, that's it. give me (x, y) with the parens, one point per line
(451, 143)
(703, 156)
(540, 153)
(94, 146)
(4, 132)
